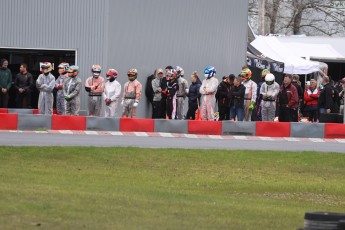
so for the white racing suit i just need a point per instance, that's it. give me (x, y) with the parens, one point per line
(45, 84)
(208, 90)
(112, 91)
(181, 96)
(60, 99)
(131, 94)
(268, 103)
(71, 89)
(96, 88)
(249, 97)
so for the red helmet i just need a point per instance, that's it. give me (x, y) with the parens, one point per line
(111, 73)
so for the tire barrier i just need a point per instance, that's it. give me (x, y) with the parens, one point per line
(25, 120)
(323, 221)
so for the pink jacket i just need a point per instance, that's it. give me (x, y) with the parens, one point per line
(97, 83)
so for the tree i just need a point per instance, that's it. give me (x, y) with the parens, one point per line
(310, 17)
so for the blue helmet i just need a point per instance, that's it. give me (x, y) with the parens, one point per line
(210, 71)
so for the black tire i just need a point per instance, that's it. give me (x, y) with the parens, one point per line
(322, 220)
(341, 225)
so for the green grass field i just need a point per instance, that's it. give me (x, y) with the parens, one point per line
(133, 188)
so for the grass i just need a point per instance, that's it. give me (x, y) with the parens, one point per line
(134, 188)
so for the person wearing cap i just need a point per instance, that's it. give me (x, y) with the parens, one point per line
(111, 94)
(60, 100)
(5, 83)
(224, 88)
(311, 96)
(287, 99)
(94, 85)
(157, 94)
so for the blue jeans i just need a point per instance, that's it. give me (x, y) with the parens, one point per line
(239, 112)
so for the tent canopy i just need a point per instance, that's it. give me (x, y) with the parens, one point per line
(328, 49)
(272, 48)
(256, 59)
(315, 51)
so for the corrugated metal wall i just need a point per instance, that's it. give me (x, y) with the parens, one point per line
(62, 24)
(122, 34)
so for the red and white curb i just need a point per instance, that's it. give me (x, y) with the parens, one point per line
(181, 135)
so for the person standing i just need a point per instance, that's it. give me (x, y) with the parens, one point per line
(5, 83)
(287, 99)
(71, 89)
(111, 94)
(45, 83)
(224, 88)
(95, 86)
(181, 93)
(208, 90)
(269, 91)
(157, 94)
(296, 113)
(259, 96)
(325, 101)
(59, 83)
(172, 88)
(24, 83)
(311, 96)
(250, 95)
(237, 99)
(149, 93)
(193, 96)
(131, 94)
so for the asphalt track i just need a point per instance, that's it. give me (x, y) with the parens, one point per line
(58, 139)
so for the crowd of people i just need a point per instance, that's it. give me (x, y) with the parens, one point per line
(236, 98)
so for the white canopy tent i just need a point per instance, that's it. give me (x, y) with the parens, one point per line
(315, 51)
(274, 49)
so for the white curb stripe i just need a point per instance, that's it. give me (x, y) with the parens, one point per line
(141, 134)
(116, 133)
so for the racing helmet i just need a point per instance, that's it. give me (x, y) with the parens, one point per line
(269, 79)
(132, 74)
(96, 70)
(210, 71)
(46, 67)
(63, 67)
(264, 73)
(73, 71)
(246, 74)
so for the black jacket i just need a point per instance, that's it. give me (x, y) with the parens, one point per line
(325, 98)
(222, 95)
(237, 96)
(25, 81)
(148, 89)
(194, 93)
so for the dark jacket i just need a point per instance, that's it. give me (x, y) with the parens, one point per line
(5, 78)
(299, 90)
(172, 87)
(325, 98)
(24, 81)
(237, 96)
(290, 93)
(194, 93)
(148, 88)
(224, 88)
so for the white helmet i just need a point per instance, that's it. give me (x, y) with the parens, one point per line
(269, 79)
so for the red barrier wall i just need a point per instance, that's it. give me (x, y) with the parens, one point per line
(68, 123)
(8, 121)
(205, 127)
(273, 129)
(3, 110)
(335, 131)
(136, 125)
